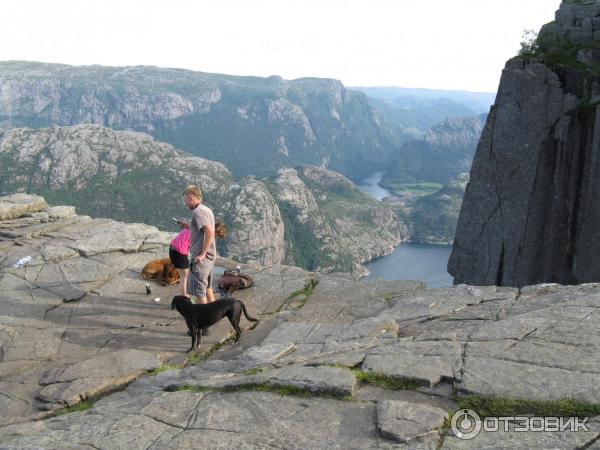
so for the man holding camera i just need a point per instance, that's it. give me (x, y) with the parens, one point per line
(202, 246)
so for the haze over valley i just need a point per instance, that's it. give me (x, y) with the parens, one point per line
(260, 132)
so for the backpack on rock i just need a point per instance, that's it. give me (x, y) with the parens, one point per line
(233, 280)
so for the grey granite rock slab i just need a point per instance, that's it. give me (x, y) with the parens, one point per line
(120, 430)
(320, 379)
(295, 332)
(51, 253)
(582, 359)
(23, 339)
(267, 353)
(273, 286)
(17, 205)
(60, 395)
(115, 236)
(85, 379)
(331, 342)
(82, 273)
(506, 379)
(440, 329)
(60, 212)
(39, 228)
(439, 302)
(312, 333)
(42, 334)
(580, 333)
(253, 357)
(407, 422)
(111, 364)
(510, 328)
(513, 440)
(210, 420)
(15, 401)
(335, 300)
(421, 361)
(159, 239)
(347, 358)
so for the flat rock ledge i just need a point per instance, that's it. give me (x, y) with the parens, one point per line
(68, 386)
(355, 365)
(75, 321)
(17, 205)
(407, 422)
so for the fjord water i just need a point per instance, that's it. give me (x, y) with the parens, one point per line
(414, 262)
(407, 261)
(369, 186)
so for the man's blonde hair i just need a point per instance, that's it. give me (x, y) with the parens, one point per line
(193, 190)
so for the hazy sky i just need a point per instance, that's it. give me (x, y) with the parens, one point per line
(445, 44)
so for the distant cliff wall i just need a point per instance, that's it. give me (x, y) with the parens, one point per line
(253, 125)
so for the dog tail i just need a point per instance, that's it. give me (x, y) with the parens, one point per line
(250, 318)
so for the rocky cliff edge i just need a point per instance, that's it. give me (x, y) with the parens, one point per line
(334, 362)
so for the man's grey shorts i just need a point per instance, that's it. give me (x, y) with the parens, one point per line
(200, 278)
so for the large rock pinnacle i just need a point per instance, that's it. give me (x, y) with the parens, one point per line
(530, 212)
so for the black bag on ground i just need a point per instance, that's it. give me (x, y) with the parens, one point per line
(232, 281)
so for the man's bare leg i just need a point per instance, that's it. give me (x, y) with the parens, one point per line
(210, 295)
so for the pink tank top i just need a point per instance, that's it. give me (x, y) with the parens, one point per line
(181, 242)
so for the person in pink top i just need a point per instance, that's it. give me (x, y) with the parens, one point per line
(178, 253)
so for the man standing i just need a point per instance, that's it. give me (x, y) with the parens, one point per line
(202, 246)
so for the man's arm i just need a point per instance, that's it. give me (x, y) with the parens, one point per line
(209, 237)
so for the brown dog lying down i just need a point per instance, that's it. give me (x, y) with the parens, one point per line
(161, 270)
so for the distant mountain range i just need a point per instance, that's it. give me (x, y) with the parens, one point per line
(255, 126)
(478, 102)
(410, 113)
(267, 153)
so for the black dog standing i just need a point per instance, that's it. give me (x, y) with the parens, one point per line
(202, 316)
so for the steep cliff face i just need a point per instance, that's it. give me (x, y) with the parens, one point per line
(330, 224)
(253, 125)
(310, 239)
(257, 230)
(132, 97)
(530, 212)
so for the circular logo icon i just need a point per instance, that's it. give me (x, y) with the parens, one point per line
(465, 424)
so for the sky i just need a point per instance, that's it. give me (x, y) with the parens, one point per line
(437, 44)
